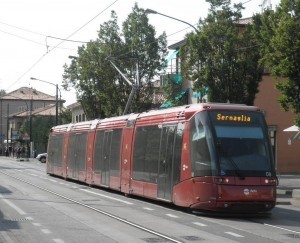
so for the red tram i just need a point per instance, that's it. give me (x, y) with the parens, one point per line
(207, 156)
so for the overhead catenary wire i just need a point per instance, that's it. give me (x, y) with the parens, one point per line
(56, 46)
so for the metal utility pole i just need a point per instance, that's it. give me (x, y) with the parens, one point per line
(56, 96)
(134, 86)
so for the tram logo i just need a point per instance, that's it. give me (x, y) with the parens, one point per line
(249, 191)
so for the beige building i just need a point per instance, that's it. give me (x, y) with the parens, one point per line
(77, 111)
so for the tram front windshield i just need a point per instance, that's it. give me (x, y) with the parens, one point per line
(236, 144)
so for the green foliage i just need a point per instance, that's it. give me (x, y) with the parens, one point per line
(174, 92)
(2, 92)
(279, 35)
(222, 58)
(40, 129)
(65, 117)
(102, 91)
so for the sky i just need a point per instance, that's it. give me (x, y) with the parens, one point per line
(32, 33)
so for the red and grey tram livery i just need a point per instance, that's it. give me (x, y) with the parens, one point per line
(206, 156)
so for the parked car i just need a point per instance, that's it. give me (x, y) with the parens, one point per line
(42, 157)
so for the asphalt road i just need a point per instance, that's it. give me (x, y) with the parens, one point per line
(35, 207)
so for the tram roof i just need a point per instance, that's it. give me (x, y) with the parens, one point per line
(164, 115)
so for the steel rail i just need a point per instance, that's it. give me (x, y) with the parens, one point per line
(96, 209)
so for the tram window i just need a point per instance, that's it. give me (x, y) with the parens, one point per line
(200, 152)
(239, 132)
(242, 148)
(146, 152)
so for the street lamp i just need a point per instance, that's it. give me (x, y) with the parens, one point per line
(150, 11)
(56, 96)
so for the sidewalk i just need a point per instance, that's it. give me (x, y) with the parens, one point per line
(288, 190)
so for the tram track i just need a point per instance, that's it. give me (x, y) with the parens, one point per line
(236, 231)
(125, 221)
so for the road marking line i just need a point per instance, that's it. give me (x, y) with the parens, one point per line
(37, 224)
(46, 231)
(277, 227)
(112, 198)
(149, 209)
(20, 211)
(58, 240)
(171, 215)
(199, 224)
(234, 234)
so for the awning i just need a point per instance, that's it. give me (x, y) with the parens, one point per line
(292, 129)
(169, 104)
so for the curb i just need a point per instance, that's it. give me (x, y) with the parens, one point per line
(22, 159)
(296, 198)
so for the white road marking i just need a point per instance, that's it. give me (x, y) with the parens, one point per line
(149, 209)
(277, 227)
(37, 224)
(199, 224)
(234, 234)
(33, 174)
(171, 215)
(112, 198)
(58, 240)
(46, 231)
(9, 203)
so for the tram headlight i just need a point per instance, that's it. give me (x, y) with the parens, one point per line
(270, 181)
(222, 180)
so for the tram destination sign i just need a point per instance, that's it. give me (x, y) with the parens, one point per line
(235, 117)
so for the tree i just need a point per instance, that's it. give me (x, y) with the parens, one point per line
(141, 43)
(41, 126)
(93, 78)
(101, 90)
(65, 116)
(223, 58)
(279, 35)
(2, 92)
(173, 92)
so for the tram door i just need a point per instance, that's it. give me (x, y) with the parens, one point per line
(105, 167)
(166, 162)
(77, 153)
